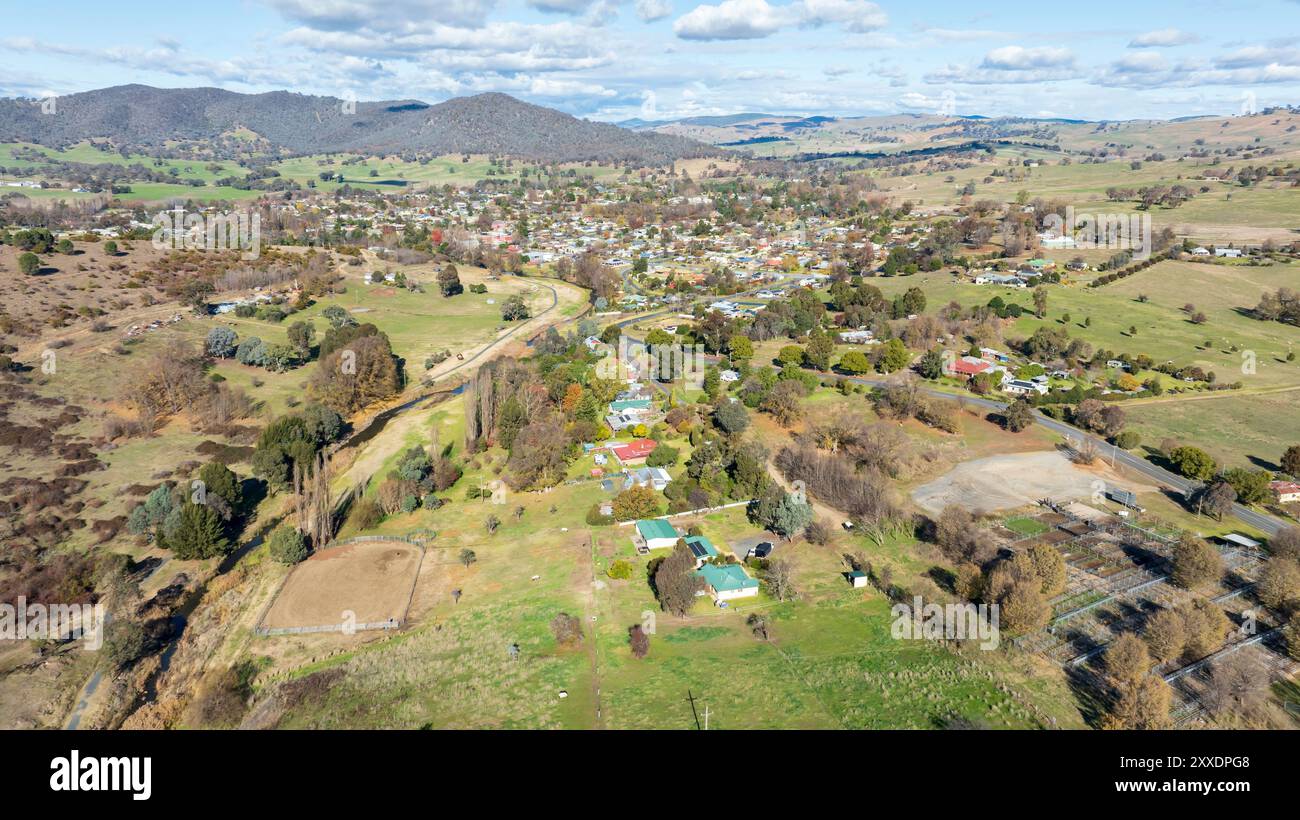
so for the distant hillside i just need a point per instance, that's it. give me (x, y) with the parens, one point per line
(142, 116)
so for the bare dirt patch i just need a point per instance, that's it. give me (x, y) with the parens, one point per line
(1007, 482)
(373, 579)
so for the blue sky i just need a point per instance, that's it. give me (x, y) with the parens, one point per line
(616, 59)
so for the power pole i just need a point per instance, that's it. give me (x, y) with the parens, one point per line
(694, 713)
(706, 717)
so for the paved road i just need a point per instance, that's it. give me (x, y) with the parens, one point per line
(1265, 523)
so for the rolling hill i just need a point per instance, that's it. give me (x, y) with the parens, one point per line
(140, 116)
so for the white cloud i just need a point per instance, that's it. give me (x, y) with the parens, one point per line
(651, 10)
(732, 20)
(1142, 63)
(1256, 56)
(1164, 38)
(561, 6)
(383, 15)
(1251, 65)
(915, 101)
(854, 15)
(754, 19)
(1019, 58)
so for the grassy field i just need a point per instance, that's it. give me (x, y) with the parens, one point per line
(1241, 428)
(1239, 431)
(830, 660)
(1164, 332)
(390, 173)
(1225, 211)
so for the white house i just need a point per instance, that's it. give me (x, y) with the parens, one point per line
(727, 582)
(655, 534)
(857, 337)
(656, 478)
(1021, 387)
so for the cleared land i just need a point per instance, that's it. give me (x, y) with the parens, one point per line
(372, 579)
(1009, 482)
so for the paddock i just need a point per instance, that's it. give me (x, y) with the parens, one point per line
(367, 583)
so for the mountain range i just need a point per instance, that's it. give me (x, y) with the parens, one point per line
(141, 116)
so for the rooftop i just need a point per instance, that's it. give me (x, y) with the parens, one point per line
(726, 578)
(655, 528)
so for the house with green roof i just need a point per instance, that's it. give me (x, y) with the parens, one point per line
(727, 581)
(655, 534)
(630, 406)
(702, 548)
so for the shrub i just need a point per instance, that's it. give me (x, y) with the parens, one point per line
(620, 570)
(567, 629)
(638, 641)
(287, 545)
(365, 514)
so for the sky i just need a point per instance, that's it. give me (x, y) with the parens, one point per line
(661, 59)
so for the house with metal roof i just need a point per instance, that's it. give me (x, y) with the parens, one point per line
(635, 452)
(727, 582)
(630, 406)
(655, 534)
(656, 478)
(702, 548)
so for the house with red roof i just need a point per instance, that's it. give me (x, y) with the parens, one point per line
(969, 366)
(1287, 491)
(635, 451)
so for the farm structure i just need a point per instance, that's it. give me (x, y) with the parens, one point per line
(1118, 577)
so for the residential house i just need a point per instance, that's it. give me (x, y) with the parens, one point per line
(968, 366)
(656, 478)
(1287, 492)
(702, 548)
(1005, 279)
(857, 337)
(635, 452)
(727, 582)
(619, 422)
(632, 407)
(1020, 387)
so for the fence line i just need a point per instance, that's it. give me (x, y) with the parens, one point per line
(391, 623)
